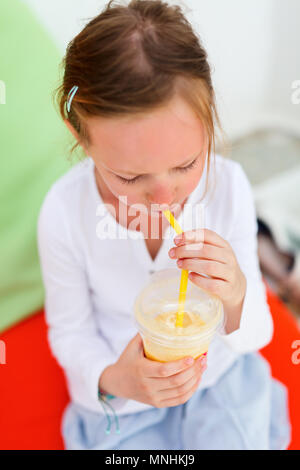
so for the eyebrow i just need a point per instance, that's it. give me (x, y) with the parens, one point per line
(140, 174)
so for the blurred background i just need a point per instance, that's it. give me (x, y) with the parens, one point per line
(254, 52)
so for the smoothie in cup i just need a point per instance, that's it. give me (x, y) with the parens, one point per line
(155, 314)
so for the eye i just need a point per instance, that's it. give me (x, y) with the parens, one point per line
(126, 181)
(189, 167)
(183, 169)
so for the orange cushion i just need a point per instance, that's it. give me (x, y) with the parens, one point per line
(33, 390)
(34, 394)
(279, 354)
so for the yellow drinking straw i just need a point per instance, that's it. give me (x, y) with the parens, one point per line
(184, 274)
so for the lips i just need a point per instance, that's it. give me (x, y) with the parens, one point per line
(162, 207)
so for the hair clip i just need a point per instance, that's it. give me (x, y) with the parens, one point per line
(71, 95)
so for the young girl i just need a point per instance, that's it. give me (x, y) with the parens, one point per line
(138, 97)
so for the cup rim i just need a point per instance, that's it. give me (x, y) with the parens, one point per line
(207, 331)
(170, 340)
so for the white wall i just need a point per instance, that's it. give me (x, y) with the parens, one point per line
(253, 46)
(284, 64)
(65, 18)
(237, 35)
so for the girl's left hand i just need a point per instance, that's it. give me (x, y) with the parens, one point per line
(203, 251)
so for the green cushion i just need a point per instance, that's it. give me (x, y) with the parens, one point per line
(33, 148)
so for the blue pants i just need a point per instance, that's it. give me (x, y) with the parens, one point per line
(245, 410)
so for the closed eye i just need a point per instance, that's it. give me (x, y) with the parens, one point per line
(189, 167)
(180, 169)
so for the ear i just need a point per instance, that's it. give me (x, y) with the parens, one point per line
(75, 134)
(71, 129)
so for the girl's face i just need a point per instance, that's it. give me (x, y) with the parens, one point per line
(155, 159)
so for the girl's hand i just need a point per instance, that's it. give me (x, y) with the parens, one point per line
(160, 384)
(203, 251)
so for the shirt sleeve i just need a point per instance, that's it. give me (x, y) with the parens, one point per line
(75, 341)
(256, 325)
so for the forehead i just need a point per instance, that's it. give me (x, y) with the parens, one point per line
(149, 142)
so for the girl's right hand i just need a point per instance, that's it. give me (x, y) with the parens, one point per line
(160, 384)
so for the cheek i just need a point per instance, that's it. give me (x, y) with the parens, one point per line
(195, 177)
(189, 184)
(131, 192)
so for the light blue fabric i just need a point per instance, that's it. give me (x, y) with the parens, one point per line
(245, 410)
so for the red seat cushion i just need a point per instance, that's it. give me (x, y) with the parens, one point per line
(279, 354)
(34, 394)
(33, 389)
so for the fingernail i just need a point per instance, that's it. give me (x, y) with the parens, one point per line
(200, 359)
(179, 262)
(178, 239)
(172, 253)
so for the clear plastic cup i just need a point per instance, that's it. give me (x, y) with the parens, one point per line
(155, 312)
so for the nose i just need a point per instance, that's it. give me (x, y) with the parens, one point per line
(161, 193)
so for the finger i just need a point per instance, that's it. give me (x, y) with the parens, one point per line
(202, 235)
(174, 392)
(166, 369)
(214, 286)
(179, 400)
(190, 236)
(202, 252)
(176, 380)
(211, 268)
(136, 345)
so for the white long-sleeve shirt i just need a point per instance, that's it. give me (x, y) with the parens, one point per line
(91, 281)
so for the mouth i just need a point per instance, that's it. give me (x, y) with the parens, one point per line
(158, 209)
